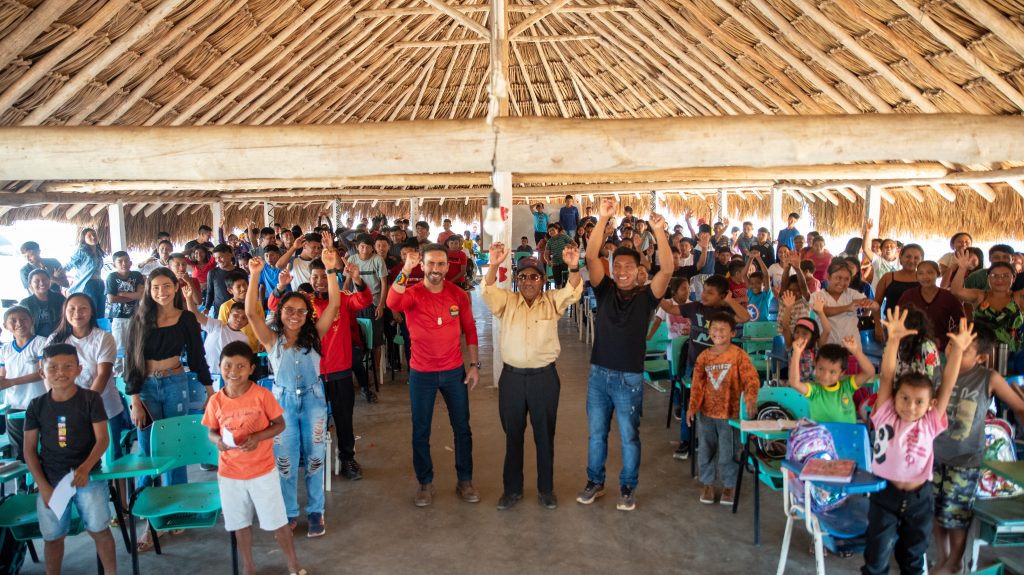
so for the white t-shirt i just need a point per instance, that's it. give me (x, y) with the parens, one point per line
(947, 260)
(844, 324)
(18, 363)
(678, 326)
(96, 348)
(775, 276)
(882, 267)
(218, 335)
(300, 272)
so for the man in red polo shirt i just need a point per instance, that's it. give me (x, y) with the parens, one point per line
(438, 314)
(458, 263)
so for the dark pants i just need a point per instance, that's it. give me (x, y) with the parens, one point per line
(423, 388)
(342, 398)
(558, 274)
(534, 392)
(899, 522)
(538, 236)
(359, 368)
(16, 432)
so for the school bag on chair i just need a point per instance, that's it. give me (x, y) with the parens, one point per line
(807, 441)
(999, 447)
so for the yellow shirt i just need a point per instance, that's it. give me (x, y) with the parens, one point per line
(529, 334)
(222, 315)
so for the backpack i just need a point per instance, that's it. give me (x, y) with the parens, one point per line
(998, 446)
(772, 449)
(807, 441)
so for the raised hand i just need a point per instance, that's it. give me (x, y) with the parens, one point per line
(412, 259)
(851, 344)
(657, 222)
(352, 271)
(186, 290)
(284, 279)
(688, 213)
(571, 254)
(869, 225)
(256, 267)
(499, 253)
(326, 239)
(963, 338)
(607, 208)
(330, 257)
(799, 345)
(788, 299)
(895, 324)
(818, 305)
(298, 242)
(963, 259)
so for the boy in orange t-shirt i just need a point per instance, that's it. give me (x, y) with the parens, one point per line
(721, 372)
(243, 419)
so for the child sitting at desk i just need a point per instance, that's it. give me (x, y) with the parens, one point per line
(907, 418)
(830, 396)
(67, 429)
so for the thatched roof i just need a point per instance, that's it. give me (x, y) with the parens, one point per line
(209, 62)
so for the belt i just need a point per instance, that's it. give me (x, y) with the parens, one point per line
(530, 370)
(336, 376)
(166, 372)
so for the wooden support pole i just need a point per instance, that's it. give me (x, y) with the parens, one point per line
(217, 213)
(459, 17)
(479, 8)
(540, 145)
(777, 222)
(115, 219)
(723, 206)
(268, 214)
(872, 210)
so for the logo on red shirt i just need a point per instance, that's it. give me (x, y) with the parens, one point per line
(453, 311)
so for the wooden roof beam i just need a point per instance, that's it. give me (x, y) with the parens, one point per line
(470, 62)
(482, 41)
(909, 51)
(950, 41)
(58, 53)
(985, 14)
(30, 28)
(823, 59)
(81, 79)
(460, 18)
(521, 9)
(850, 43)
(541, 145)
(532, 19)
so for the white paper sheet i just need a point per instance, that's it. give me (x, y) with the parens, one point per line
(227, 438)
(62, 495)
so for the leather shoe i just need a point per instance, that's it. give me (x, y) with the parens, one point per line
(548, 500)
(508, 501)
(467, 492)
(425, 495)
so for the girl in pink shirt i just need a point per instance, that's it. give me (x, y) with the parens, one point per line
(906, 421)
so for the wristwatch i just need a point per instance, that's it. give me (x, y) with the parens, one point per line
(477, 365)
(334, 271)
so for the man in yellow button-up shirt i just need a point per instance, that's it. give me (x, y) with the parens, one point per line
(529, 383)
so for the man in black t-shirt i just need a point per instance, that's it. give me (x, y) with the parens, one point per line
(69, 425)
(616, 383)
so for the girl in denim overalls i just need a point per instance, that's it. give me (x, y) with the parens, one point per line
(292, 342)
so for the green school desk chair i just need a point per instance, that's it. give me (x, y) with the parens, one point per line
(366, 326)
(189, 505)
(998, 523)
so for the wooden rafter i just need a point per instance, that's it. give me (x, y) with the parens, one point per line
(32, 26)
(537, 16)
(995, 21)
(459, 17)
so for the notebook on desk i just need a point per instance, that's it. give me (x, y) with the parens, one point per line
(829, 470)
(768, 425)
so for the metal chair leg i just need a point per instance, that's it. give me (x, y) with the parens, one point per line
(234, 553)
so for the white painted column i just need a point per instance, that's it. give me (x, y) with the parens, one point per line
(217, 215)
(336, 214)
(414, 214)
(776, 216)
(872, 210)
(268, 215)
(503, 185)
(118, 236)
(723, 207)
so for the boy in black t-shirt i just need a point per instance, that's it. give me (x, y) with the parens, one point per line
(124, 291)
(714, 298)
(70, 427)
(616, 382)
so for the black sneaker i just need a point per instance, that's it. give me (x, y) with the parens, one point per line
(507, 501)
(683, 451)
(677, 412)
(591, 492)
(627, 499)
(548, 500)
(369, 395)
(207, 467)
(351, 470)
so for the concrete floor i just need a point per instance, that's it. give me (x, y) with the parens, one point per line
(373, 527)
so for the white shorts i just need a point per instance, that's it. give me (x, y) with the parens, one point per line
(240, 497)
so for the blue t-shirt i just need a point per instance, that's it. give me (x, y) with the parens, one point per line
(269, 277)
(757, 304)
(540, 222)
(568, 217)
(786, 237)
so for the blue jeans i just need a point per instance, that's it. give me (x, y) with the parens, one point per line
(93, 503)
(622, 392)
(684, 428)
(305, 436)
(423, 388)
(164, 397)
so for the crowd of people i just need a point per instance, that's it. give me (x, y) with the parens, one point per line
(183, 329)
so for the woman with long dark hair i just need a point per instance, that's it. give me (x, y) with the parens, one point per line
(96, 354)
(943, 309)
(159, 334)
(292, 341)
(87, 265)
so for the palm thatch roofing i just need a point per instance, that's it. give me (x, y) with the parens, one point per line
(263, 62)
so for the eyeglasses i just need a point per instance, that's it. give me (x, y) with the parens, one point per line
(294, 311)
(528, 277)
